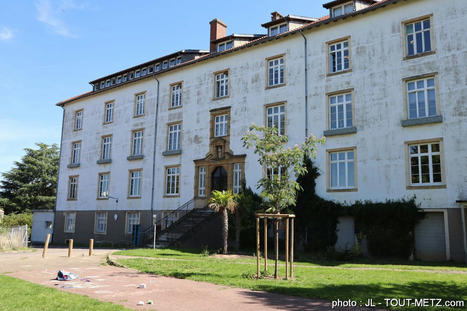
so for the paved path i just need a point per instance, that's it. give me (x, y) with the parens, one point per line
(119, 285)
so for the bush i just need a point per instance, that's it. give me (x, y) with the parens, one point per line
(14, 220)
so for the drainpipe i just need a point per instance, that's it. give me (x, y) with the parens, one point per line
(58, 173)
(306, 83)
(154, 149)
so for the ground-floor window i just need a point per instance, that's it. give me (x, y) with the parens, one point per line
(342, 169)
(132, 218)
(202, 181)
(100, 225)
(172, 181)
(237, 177)
(70, 221)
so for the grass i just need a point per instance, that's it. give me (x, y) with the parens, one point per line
(312, 280)
(16, 294)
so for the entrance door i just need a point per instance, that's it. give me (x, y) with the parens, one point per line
(219, 179)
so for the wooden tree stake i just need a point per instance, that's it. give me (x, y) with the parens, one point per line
(70, 247)
(291, 245)
(265, 244)
(46, 245)
(257, 247)
(286, 248)
(91, 246)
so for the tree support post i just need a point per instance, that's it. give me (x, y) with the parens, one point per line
(286, 248)
(257, 247)
(291, 245)
(46, 245)
(91, 246)
(265, 244)
(70, 247)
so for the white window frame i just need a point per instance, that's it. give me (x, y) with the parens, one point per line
(275, 117)
(337, 51)
(347, 158)
(78, 120)
(109, 112)
(221, 125)
(70, 222)
(339, 119)
(276, 71)
(424, 32)
(421, 93)
(135, 181)
(75, 152)
(157, 67)
(343, 7)
(165, 64)
(278, 29)
(103, 186)
(137, 142)
(139, 104)
(100, 223)
(176, 95)
(173, 136)
(237, 178)
(172, 181)
(171, 62)
(73, 187)
(221, 47)
(132, 218)
(106, 149)
(202, 181)
(415, 152)
(221, 84)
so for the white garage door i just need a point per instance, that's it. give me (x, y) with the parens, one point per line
(430, 243)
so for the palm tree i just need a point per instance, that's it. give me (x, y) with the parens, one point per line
(223, 201)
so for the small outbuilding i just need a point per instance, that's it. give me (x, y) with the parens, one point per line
(42, 224)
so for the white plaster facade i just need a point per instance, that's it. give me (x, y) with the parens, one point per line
(378, 69)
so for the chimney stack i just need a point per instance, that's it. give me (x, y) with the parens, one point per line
(275, 16)
(218, 30)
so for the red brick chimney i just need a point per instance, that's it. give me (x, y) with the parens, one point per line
(218, 30)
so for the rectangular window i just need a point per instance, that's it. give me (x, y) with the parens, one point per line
(106, 147)
(173, 137)
(224, 46)
(72, 187)
(340, 111)
(135, 184)
(275, 117)
(278, 29)
(275, 173)
(339, 57)
(124, 78)
(100, 225)
(75, 152)
(172, 62)
(176, 95)
(137, 74)
(425, 164)
(157, 67)
(144, 71)
(342, 169)
(172, 181)
(421, 98)
(107, 83)
(78, 120)
(109, 112)
(418, 37)
(275, 71)
(137, 143)
(102, 84)
(70, 221)
(178, 60)
(104, 179)
(139, 104)
(119, 79)
(237, 178)
(132, 219)
(165, 65)
(342, 9)
(222, 84)
(221, 125)
(201, 181)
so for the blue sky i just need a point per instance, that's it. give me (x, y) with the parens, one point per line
(51, 49)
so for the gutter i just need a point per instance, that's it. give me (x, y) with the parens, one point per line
(305, 43)
(154, 147)
(58, 171)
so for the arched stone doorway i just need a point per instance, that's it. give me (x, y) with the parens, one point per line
(219, 179)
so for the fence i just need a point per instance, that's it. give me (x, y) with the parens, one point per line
(12, 238)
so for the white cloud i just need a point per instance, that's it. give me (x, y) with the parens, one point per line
(6, 33)
(51, 14)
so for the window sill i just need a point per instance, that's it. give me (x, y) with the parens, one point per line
(75, 165)
(100, 233)
(421, 187)
(135, 197)
(419, 55)
(422, 121)
(342, 190)
(172, 152)
(139, 116)
(342, 131)
(221, 97)
(176, 107)
(275, 86)
(135, 157)
(104, 161)
(107, 123)
(171, 195)
(71, 199)
(102, 198)
(330, 74)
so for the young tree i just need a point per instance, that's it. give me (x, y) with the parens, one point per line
(32, 183)
(223, 201)
(278, 189)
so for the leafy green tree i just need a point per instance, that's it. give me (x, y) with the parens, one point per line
(14, 220)
(32, 182)
(223, 201)
(278, 188)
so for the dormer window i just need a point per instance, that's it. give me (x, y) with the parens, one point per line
(144, 71)
(172, 62)
(107, 83)
(157, 67)
(102, 84)
(343, 9)
(137, 74)
(113, 81)
(131, 75)
(179, 60)
(124, 78)
(224, 46)
(165, 64)
(275, 30)
(150, 69)
(119, 79)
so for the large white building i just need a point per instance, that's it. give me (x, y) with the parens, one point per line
(384, 81)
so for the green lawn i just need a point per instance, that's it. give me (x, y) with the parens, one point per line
(16, 294)
(334, 281)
